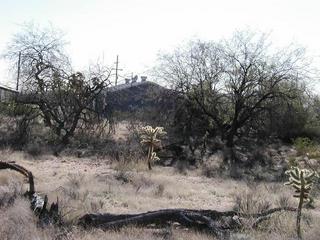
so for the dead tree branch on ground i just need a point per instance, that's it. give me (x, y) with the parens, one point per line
(217, 223)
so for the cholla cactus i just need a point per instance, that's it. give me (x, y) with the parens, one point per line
(154, 157)
(301, 180)
(151, 137)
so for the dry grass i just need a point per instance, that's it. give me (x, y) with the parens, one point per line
(18, 222)
(260, 197)
(89, 185)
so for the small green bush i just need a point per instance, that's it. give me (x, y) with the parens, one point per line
(303, 145)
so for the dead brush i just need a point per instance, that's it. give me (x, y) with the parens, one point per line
(10, 191)
(182, 167)
(279, 226)
(283, 201)
(141, 182)
(74, 180)
(123, 176)
(250, 202)
(96, 205)
(72, 187)
(18, 222)
(129, 165)
(282, 226)
(159, 190)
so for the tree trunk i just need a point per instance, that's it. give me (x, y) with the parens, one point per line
(188, 218)
(220, 224)
(65, 139)
(233, 161)
(217, 223)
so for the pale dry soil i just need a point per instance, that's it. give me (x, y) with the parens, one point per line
(90, 185)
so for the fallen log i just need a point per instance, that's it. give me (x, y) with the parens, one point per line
(218, 223)
(188, 218)
(23, 171)
(37, 203)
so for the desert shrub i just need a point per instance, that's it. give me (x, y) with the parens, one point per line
(74, 180)
(312, 132)
(125, 155)
(303, 145)
(306, 146)
(213, 165)
(141, 181)
(125, 151)
(72, 188)
(182, 167)
(190, 122)
(211, 170)
(123, 176)
(250, 202)
(34, 149)
(159, 190)
(6, 108)
(93, 134)
(283, 201)
(10, 189)
(16, 124)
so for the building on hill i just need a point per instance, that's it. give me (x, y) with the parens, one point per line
(129, 83)
(133, 97)
(7, 94)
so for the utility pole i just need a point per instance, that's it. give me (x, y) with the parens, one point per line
(117, 69)
(18, 75)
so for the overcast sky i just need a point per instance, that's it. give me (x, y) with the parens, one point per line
(138, 29)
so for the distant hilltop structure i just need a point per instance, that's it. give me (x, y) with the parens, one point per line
(129, 82)
(134, 95)
(134, 79)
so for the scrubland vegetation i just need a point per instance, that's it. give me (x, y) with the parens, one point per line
(237, 118)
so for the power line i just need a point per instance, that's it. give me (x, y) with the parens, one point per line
(117, 69)
(18, 75)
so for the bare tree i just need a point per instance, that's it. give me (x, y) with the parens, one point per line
(63, 97)
(42, 53)
(232, 81)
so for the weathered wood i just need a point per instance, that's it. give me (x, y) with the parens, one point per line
(218, 223)
(23, 171)
(37, 202)
(185, 217)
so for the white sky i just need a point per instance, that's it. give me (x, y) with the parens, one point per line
(138, 29)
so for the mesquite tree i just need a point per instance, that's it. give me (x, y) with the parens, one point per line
(301, 180)
(232, 82)
(151, 137)
(64, 98)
